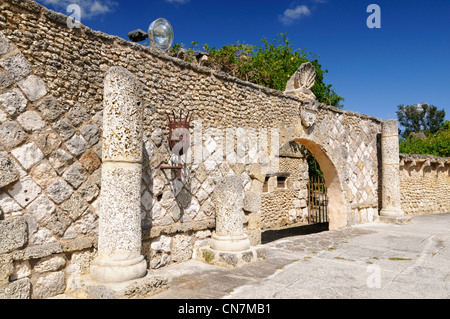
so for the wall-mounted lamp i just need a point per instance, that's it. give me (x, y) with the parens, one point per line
(160, 34)
(179, 139)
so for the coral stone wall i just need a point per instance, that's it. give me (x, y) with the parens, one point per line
(51, 104)
(425, 184)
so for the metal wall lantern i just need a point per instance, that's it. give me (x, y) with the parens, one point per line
(179, 139)
(160, 34)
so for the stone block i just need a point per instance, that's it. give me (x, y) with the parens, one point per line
(49, 109)
(13, 102)
(47, 140)
(38, 251)
(8, 205)
(90, 161)
(31, 121)
(64, 128)
(8, 174)
(28, 155)
(41, 208)
(49, 285)
(256, 173)
(75, 206)
(11, 134)
(13, 234)
(181, 248)
(78, 115)
(60, 160)
(25, 191)
(252, 202)
(5, 45)
(77, 145)
(43, 174)
(17, 66)
(89, 191)
(58, 223)
(50, 263)
(6, 268)
(20, 289)
(59, 191)
(75, 175)
(230, 259)
(5, 80)
(91, 134)
(33, 87)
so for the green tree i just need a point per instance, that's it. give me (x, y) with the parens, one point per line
(420, 118)
(270, 64)
(437, 144)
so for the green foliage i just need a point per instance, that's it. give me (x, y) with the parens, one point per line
(420, 118)
(437, 144)
(270, 64)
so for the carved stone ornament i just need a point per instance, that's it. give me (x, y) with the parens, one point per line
(302, 81)
(308, 113)
(305, 76)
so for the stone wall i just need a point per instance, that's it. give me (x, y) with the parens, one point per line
(51, 103)
(286, 205)
(425, 184)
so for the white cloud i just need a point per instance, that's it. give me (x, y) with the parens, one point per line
(89, 8)
(177, 1)
(291, 15)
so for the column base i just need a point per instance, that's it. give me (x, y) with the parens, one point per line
(396, 220)
(230, 243)
(231, 259)
(86, 288)
(109, 270)
(391, 212)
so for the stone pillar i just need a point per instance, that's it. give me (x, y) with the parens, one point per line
(229, 235)
(119, 240)
(390, 189)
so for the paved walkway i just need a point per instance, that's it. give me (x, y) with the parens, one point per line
(366, 261)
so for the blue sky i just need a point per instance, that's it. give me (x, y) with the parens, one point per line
(406, 61)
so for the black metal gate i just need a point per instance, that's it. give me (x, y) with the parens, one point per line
(317, 201)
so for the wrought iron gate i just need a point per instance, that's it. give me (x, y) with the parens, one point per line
(317, 201)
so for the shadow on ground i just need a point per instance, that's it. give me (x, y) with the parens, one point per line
(272, 235)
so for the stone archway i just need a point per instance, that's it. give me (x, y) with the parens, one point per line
(336, 203)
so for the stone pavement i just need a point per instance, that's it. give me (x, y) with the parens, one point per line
(367, 261)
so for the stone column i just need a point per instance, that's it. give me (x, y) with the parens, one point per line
(119, 240)
(390, 189)
(229, 235)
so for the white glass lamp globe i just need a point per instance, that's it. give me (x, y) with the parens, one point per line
(160, 34)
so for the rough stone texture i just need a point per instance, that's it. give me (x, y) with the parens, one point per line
(49, 285)
(33, 87)
(390, 194)
(120, 238)
(8, 174)
(13, 102)
(11, 134)
(424, 184)
(122, 117)
(28, 155)
(13, 234)
(17, 66)
(24, 191)
(20, 289)
(31, 121)
(59, 191)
